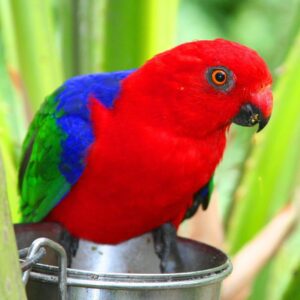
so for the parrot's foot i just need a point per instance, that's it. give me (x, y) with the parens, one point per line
(70, 243)
(166, 248)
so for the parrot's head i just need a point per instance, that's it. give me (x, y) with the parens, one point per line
(210, 84)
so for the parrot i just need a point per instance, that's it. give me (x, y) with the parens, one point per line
(111, 156)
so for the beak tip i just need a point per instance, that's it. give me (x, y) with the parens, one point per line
(262, 123)
(259, 129)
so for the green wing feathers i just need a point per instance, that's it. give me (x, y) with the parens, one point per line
(41, 184)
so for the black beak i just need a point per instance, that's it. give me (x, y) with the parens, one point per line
(249, 115)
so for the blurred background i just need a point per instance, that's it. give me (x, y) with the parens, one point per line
(44, 42)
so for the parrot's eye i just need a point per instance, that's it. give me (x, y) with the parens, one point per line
(220, 78)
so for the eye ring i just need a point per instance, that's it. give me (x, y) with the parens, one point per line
(219, 77)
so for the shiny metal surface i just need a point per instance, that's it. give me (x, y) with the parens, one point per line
(130, 270)
(127, 257)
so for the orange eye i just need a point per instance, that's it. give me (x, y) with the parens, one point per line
(219, 77)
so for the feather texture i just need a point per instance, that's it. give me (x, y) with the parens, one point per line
(58, 140)
(128, 151)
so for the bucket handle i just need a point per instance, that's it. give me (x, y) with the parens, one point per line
(28, 263)
(36, 249)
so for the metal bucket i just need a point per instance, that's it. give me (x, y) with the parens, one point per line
(129, 270)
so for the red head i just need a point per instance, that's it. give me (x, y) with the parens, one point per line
(202, 86)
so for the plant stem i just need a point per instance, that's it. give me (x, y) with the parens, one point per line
(11, 286)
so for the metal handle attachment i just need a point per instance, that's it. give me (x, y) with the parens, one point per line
(36, 251)
(28, 263)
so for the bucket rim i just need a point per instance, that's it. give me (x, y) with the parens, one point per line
(136, 281)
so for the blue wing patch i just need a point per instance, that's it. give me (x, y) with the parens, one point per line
(201, 197)
(73, 116)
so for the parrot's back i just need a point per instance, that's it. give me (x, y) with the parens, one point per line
(58, 139)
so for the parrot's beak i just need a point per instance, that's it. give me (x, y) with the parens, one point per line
(257, 111)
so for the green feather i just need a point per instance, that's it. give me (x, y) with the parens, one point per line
(211, 186)
(41, 184)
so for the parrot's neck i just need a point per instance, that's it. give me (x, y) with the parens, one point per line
(154, 114)
(161, 108)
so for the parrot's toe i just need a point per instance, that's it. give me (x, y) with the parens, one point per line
(165, 244)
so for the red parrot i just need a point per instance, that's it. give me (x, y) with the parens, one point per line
(114, 155)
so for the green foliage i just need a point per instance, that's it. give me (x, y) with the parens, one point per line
(12, 128)
(268, 26)
(11, 286)
(149, 29)
(268, 182)
(36, 51)
(292, 292)
(268, 178)
(283, 277)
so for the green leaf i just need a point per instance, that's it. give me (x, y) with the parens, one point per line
(285, 270)
(270, 174)
(11, 286)
(37, 50)
(135, 30)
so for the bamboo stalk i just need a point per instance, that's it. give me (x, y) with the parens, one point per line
(11, 86)
(6, 150)
(90, 35)
(135, 30)
(11, 286)
(37, 48)
(160, 24)
(97, 18)
(84, 35)
(67, 36)
(12, 127)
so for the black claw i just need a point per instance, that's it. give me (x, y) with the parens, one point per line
(70, 243)
(165, 245)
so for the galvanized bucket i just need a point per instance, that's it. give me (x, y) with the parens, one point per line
(126, 271)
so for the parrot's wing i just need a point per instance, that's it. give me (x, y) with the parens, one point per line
(41, 182)
(54, 151)
(202, 197)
